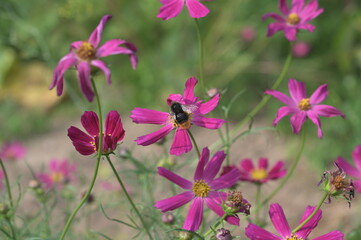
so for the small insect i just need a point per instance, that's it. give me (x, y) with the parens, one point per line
(182, 114)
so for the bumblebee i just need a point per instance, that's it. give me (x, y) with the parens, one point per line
(180, 116)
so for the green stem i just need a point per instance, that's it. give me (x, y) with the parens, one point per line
(100, 144)
(312, 214)
(194, 143)
(216, 225)
(128, 197)
(13, 233)
(201, 56)
(7, 182)
(258, 199)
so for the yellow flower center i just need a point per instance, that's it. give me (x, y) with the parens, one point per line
(258, 174)
(304, 104)
(293, 19)
(293, 237)
(57, 177)
(86, 52)
(201, 189)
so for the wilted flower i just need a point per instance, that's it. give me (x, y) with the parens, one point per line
(351, 170)
(223, 234)
(302, 107)
(184, 111)
(60, 173)
(171, 8)
(261, 174)
(203, 189)
(87, 144)
(280, 223)
(294, 18)
(12, 151)
(235, 203)
(84, 54)
(301, 49)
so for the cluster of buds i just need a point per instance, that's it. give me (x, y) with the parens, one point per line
(235, 203)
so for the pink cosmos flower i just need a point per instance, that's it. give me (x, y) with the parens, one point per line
(301, 49)
(261, 174)
(171, 8)
(203, 189)
(84, 54)
(61, 172)
(248, 34)
(87, 144)
(280, 223)
(294, 18)
(188, 110)
(12, 151)
(302, 107)
(351, 170)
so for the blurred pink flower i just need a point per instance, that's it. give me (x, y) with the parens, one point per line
(248, 34)
(351, 170)
(171, 8)
(294, 18)
(302, 107)
(12, 151)
(87, 144)
(84, 54)
(280, 223)
(301, 49)
(203, 189)
(61, 172)
(187, 108)
(261, 174)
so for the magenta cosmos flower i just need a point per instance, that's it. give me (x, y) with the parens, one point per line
(261, 174)
(302, 107)
(84, 54)
(351, 170)
(184, 111)
(12, 151)
(87, 144)
(203, 189)
(294, 18)
(171, 8)
(280, 223)
(61, 172)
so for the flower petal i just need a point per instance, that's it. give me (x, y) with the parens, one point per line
(155, 136)
(334, 235)
(84, 80)
(66, 62)
(174, 202)
(175, 98)
(283, 7)
(319, 95)
(297, 121)
(214, 202)
(96, 35)
(279, 220)
(196, 9)
(203, 160)
(247, 164)
(180, 181)
(195, 215)
(312, 115)
(213, 166)
(181, 142)
(101, 65)
(281, 97)
(76, 45)
(81, 141)
(348, 168)
(253, 232)
(327, 111)
(90, 122)
(356, 156)
(290, 33)
(277, 171)
(357, 185)
(297, 90)
(209, 106)
(112, 47)
(225, 181)
(311, 224)
(272, 28)
(149, 116)
(210, 123)
(189, 90)
(170, 10)
(308, 27)
(275, 16)
(283, 112)
(263, 163)
(114, 126)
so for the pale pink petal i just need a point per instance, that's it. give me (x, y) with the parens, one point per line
(319, 95)
(53, 165)
(283, 7)
(181, 142)
(175, 98)
(297, 6)
(155, 136)
(272, 28)
(297, 90)
(247, 164)
(306, 26)
(182, 182)
(279, 220)
(189, 89)
(112, 47)
(356, 156)
(312, 115)
(275, 16)
(84, 80)
(297, 121)
(263, 163)
(90, 122)
(311, 224)
(327, 111)
(196, 9)
(334, 235)
(170, 9)
(210, 123)
(96, 35)
(214, 203)
(290, 33)
(64, 64)
(76, 45)
(277, 171)
(194, 216)
(253, 232)
(101, 65)
(357, 185)
(45, 180)
(198, 174)
(209, 106)
(348, 168)
(174, 202)
(225, 181)
(281, 97)
(282, 112)
(310, 9)
(213, 166)
(149, 116)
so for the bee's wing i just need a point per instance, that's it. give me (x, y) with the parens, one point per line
(189, 108)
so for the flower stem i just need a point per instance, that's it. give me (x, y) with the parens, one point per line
(13, 233)
(201, 56)
(7, 182)
(216, 224)
(194, 143)
(85, 198)
(258, 199)
(128, 197)
(312, 214)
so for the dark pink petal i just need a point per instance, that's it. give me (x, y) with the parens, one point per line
(310, 10)
(308, 27)
(327, 111)
(96, 35)
(311, 224)
(155, 136)
(101, 65)
(272, 28)
(90, 122)
(84, 80)
(334, 235)
(133, 57)
(196, 9)
(45, 180)
(166, 1)
(253, 232)
(66, 62)
(171, 9)
(210, 123)
(112, 47)
(279, 220)
(297, 90)
(181, 142)
(283, 112)
(312, 115)
(114, 126)
(175, 98)
(297, 121)
(198, 174)
(214, 202)
(275, 16)
(319, 95)
(356, 156)
(263, 163)
(76, 45)
(81, 141)
(297, 6)
(174, 202)
(281, 97)
(283, 7)
(182, 182)
(348, 168)
(225, 181)
(277, 171)
(210, 105)
(194, 216)
(149, 116)
(247, 164)
(213, 166)
(290, 33)
(357, 185)
(189, 89)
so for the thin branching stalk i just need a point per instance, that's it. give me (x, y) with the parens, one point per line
(216, 225)
(7, 183)
(194, 143)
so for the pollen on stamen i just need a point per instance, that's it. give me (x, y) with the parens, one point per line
(86, 52)
(293, 237)
(200, 188)
(304, 104)
(258, 174)
(293, 19)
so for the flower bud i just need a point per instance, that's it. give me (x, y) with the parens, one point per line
(185, 236)
(33, 184)
(223, 234)
(236, 203)
(168, 218)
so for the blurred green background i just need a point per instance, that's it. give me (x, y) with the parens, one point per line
(36, 34)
